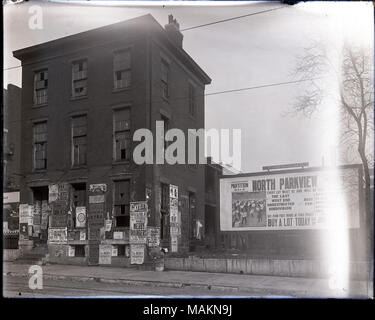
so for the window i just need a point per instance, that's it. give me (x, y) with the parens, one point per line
(41, 87)
(123, 250)
(192, 103)
(122, 69)
(121, 203)
(40, 145)
(79, 250)
(79, 194)
(79, 78)
(164, 211)
(79, 140)
(122, 138)
(165, 79)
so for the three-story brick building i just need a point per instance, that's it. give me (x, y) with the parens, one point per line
(83, 97)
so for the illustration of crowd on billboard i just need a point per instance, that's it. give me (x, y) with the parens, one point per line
(249, 209)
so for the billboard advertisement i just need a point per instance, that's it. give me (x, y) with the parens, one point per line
(307, 199)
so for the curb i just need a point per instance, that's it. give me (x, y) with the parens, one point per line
(131, 282)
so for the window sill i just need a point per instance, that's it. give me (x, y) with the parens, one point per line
(78, 98)
(115, 90)
(39, 171)
(36, 106)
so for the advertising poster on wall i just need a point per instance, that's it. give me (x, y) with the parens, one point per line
(59, 214)
(24, 213)
(153, 236)
(114, 251)
(45, 213)
(53, 192)
(312, 199)
(57, 235)
(138, 222)
(174, 223)
(24, 235)
(137, 253)
(174, 244)
(105, 254)
(71, 251)
(80, 217)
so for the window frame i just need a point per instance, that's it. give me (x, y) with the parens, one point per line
(43, 143)
(43, 89)
(118, 203)
(83, 78)
(77, 137)
(126, 69)
(127, 135)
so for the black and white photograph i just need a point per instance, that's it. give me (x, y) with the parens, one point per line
(188, 149)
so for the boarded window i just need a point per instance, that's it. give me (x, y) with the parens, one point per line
(122, 69)
(79, 78)
(41, 87)
(122, 138)
(122, 203)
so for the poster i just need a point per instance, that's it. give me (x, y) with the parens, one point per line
(96, 215)
(114, 251)
(105, 254)
(118, 235)
(80, 217)
(24, 213)
(57, 235)
(45, 213)
(59, 214)
(153, 236)
(308, 199)
(137, 253)
(24, 234)
(11, 197)
(53, 192)
(174, 244)
(82, 235)
(99, 187)
(173, 191)
(97, 199)
(174, 223)
(108, 225)
(71, 251)
(63, 192)
(138, 222)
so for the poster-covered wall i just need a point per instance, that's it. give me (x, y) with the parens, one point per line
(307, 199)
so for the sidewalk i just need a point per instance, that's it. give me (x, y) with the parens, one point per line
(250, 285)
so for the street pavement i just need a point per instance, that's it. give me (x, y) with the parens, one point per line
(92, 280)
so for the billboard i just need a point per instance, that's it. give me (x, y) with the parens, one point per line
(306, 199)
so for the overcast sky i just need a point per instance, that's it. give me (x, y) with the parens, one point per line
(252, 51)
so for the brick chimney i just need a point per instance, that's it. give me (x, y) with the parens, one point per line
(173, 31)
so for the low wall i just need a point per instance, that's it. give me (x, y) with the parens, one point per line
(11, 254)
(288, 268)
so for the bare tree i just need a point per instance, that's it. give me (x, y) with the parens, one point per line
(356, 103)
